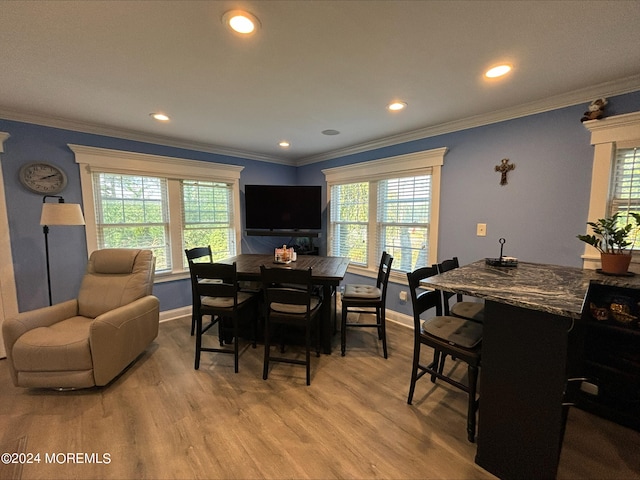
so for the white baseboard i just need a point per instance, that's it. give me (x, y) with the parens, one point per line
(175, 314)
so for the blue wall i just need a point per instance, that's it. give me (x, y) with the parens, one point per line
(539, 212)
(67, 245)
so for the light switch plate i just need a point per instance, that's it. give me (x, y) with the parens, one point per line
(481, 230)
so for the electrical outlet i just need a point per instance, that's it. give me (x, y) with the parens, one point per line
(404, 296)
(481, 230)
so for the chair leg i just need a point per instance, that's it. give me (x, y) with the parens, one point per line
(198, 342)
(265, 372)
(443, 358)
(308, 351)
(193, 324)
(254, 321)
(436, 364)
(471, 412)
(383, 331)
(317, 322)
(414, 371)
(343, 330)
(220, 329)
(235, 343)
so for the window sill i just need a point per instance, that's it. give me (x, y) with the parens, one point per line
(171, 277)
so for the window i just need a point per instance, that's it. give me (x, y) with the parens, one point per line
(208, 217)
(349, 217)
(164, 204)
(131, 213)
(625, 186)
(615, 179)
(394, 208)
(403, 220)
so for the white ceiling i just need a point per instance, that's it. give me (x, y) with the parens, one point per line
(314, 65)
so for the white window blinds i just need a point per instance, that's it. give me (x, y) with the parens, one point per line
(403, 220)
(383, 215)
(131, 212)
(208, 217)
(625, 188)
(350, 221)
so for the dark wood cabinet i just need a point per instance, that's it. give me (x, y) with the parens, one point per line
(610, 360)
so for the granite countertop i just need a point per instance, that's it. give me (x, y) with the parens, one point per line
(550, 288)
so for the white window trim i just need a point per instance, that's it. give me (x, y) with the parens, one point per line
(8, 294)
(92, 159)
(408, 165)
(605, 135)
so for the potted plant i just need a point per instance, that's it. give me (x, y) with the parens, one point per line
(611, 237)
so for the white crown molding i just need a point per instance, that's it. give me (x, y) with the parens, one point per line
(96, 129)
(584, 95)
(608, 89)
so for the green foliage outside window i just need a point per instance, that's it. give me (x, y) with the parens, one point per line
(131, 213)
(208, 220)
(350, 217)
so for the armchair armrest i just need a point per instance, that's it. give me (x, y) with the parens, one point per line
(14, 327)
(117, 337)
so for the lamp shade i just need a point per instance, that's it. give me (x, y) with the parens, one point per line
(61, 214)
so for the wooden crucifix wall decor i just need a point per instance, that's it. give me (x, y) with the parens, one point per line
(503, 168)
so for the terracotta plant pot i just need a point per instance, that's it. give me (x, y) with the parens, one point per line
(615, 263)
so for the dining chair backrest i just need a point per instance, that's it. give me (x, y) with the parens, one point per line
(199, 253)
(196, 255)
(217, 280)
(287, 286)
(421, 299)
(473, 311)
(384, 270)
(445, 266)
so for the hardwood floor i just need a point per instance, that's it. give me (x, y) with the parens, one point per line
(163, 419)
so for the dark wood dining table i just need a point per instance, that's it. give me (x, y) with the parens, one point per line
(326, 272)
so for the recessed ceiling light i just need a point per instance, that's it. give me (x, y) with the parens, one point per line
(284, 144)
(330, 131)
(395, 106)
(498, 71)
(161, 117)
(241, 22)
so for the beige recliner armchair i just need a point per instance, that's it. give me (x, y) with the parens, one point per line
(88, 341)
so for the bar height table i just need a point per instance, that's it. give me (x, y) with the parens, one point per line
(530, 311)
(327, 272)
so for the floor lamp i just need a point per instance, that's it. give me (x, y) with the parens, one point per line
(59, 213)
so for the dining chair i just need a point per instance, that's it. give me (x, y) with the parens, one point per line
(446, 335)
(197, 254)
(368, 299)
(217, 294)
(289, 303)
(468, 310)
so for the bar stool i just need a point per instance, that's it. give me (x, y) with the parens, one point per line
(368, 299)
(447, 335)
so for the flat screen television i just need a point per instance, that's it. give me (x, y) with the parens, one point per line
(283, 207)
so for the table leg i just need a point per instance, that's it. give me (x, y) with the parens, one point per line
(328, 317)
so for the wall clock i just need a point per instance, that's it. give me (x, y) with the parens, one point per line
(42, 177)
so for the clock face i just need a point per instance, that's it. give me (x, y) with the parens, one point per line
(43, 178)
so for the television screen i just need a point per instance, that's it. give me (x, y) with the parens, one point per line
(283, 207)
